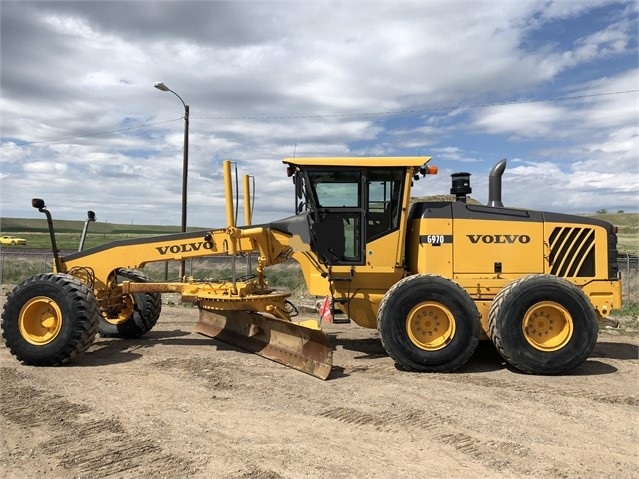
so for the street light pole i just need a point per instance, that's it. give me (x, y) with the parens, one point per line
(185, 164)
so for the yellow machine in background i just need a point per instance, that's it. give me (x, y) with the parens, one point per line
(433, 277)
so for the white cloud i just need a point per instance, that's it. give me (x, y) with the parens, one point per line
(42, 167)
(267, 79)
(525, 120)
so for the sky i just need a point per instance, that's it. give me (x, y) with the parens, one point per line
(552, 86)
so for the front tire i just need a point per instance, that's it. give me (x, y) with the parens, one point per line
(49, 319)
(543, 324)
(132, 315)
(428, 323)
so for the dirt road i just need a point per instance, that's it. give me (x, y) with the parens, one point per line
(175, 404)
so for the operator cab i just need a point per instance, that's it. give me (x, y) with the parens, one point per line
(351, 202)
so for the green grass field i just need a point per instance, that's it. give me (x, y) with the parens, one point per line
(39, 225)
(68, 232)
(628, 224)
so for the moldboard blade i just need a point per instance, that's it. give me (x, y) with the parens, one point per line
(287, 343)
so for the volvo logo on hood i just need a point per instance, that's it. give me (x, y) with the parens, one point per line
(499, 239)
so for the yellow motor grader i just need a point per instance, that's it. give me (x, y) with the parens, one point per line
(433, 277)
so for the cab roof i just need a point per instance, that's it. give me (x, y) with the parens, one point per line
(377, 161)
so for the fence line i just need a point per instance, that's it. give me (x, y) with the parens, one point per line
(15, 266)
(629, 269)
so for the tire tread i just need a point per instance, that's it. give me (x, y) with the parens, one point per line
(86, 322)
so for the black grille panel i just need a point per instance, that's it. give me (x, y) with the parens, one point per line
(572, 252)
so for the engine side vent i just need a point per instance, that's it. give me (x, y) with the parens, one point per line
(572, 252)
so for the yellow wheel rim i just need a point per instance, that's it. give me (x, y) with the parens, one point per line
(430, 326)
(40, 320)
(547, 326)
(122, 313)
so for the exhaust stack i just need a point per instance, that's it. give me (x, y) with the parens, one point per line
(494, 184)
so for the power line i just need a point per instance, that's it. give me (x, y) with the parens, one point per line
(340, 115)
(414, 110)
(87, 135)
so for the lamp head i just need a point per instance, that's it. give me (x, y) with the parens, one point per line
(161, 86)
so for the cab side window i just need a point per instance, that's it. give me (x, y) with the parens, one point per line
(385, 191)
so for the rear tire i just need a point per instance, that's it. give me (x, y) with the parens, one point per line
(428, 323)
(135, 314)
(543, 324)
(49, 319)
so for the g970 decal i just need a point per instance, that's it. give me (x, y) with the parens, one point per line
(435, 240)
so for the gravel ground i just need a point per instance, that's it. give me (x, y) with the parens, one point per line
(175, 404)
